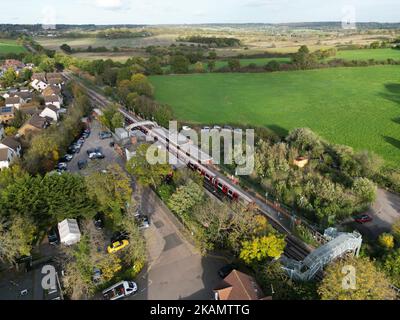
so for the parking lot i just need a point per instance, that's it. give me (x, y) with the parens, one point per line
(93, 141)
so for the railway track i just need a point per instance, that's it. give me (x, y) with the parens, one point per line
(295, 249)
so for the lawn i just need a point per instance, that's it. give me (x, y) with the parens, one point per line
(10, 46)
(359, 107)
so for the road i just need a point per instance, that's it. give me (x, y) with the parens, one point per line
(176, 270)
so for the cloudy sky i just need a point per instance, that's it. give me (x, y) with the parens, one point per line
(191, 11)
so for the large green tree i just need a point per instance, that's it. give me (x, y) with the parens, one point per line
(355, 279)
(148, 174)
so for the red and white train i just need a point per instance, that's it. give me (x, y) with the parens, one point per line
(193, 157)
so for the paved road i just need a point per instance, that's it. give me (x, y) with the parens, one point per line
(176, 269)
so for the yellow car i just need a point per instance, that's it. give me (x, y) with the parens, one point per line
(117, 245)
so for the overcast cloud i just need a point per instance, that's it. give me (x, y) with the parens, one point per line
(190, 11)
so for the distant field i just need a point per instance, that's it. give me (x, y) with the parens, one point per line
(257, 61)
(365, 54)
(10, 46)
(353, 106)
(55, 43)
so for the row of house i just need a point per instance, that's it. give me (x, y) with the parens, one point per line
(39, 116)
(16, 65)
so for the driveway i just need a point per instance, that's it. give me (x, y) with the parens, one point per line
(176, 270)
(385, 211)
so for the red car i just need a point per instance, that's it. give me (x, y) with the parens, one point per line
(364, 218)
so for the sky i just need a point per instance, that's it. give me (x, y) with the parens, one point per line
(195, 11)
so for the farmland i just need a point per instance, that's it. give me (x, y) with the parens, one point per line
(353, 106)
(10, 46)
(366, 54)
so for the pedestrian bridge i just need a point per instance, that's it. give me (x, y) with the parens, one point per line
(140, 124)
(340, 244)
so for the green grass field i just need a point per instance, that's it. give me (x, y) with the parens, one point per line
(359, 107)
(10, 46)
(365, 54)
(246, 62)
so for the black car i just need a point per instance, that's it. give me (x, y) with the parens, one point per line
(119, 236)
(226, 270)
(99, 221)
(82, 164)
(53, 236)
(72, 149)
(105, 135)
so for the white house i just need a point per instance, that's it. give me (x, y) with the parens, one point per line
(53, 100)
(38, 85)
(52, 112)
(10, 149)
(69, 232)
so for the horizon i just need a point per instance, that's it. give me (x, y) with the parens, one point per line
(181, 12)
(200, 24)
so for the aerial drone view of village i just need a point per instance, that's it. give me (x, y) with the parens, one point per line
(154, 151)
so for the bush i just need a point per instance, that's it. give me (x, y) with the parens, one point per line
(386, 240)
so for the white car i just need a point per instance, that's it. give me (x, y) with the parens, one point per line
(205, 129)
(62, 165)
(217, 128)
(186, 128)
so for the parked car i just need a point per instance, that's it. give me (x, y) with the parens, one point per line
(217, 128)
(120, 290)
(96, 155)
(99, 221)
(82, 164)
(105, 135)
(226, 270)
(61, 166)
(53, 236)
(86, 133)
(144, 222)
(186, 128)
(363, 218)
(119, 236)
(72, 149)
(67, 158)
(96, 275)
(112, 144)
(205, 129)
(117, 246)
